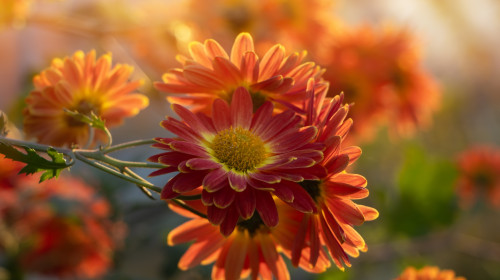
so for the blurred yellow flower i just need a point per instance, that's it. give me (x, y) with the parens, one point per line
(428, 273)
(13, 12)
(83, 84)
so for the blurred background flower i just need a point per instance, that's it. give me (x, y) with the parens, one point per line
(426, 91)
(58, 228)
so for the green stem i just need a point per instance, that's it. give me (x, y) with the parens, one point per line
(189, 208)
(128, 145)
(116, 173)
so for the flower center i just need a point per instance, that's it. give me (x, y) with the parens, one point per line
(238, 149)
(312, 188)
(252, 225)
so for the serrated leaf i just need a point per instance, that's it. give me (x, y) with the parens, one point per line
(36, 163)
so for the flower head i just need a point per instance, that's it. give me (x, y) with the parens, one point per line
(479, 169)
(83, 84)
(380, 73)
(240, 158)
(428, 273)
(58, 227)
(334, 193)
(251, 250)
(210, 73)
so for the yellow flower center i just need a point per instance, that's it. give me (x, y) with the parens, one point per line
(238, 149)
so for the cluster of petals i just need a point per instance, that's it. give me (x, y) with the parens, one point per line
(479, 173)
(332, 224)
(428, 273)
(287, 157)
(381, 73)
(60, 227)
(83, 84)
(210, 73)
(251, 250)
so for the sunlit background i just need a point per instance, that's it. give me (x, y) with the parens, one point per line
(414, 124)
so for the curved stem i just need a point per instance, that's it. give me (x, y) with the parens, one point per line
(128, 145)
(189, 208)
(116, 173)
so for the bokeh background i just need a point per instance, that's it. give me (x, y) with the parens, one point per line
(412, 176)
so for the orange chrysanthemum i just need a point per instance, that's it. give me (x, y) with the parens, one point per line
(428, 273)
(288, 22)
(81, 84)
(479, 169)
(251, 250)
(13, 12)
(240, 158)
(336, 213)
(59, 227)
(381, 74)
(210, 73)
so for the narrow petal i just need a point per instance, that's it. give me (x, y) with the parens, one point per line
(236, 257)
(223, 198)
(216, 215)
(241, 108)
(202, 164)
(227, 226)
(214, 180)
(237, 181)
(245, 203)
(267, 209)
(221, 115)
(242, 44)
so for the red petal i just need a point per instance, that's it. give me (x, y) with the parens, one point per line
(221, 114)
(237, 181)
(216, 215)
(245, 203)
(202, 164)
(227, 226)
(214, 180)
(223, 198)
(267, 209)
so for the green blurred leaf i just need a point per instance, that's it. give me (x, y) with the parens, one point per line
(426, 194)
(34, 162)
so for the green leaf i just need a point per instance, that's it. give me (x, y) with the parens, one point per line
(426, 198)
(34, 162)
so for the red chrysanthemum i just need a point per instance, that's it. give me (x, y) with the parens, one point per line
(381, 73)
(210, 73)
(58, 227)
(84, 85)
(428, 273)
(239, 158)
(336, 214)
(479, 169)
(251, 250)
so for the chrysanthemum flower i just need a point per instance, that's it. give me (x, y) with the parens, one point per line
(58, 228)
(479, 169)
(83, 84)
(428, 273)
(288, 22)
(251, 250)
(210, 73)
(332, 223)
(381, 73)
(239, 158)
